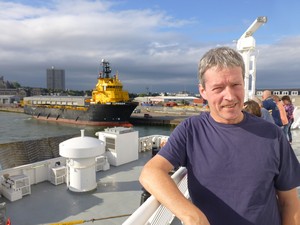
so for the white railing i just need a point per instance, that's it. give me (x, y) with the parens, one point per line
(296, 114)
(151, 212)
(150, 142)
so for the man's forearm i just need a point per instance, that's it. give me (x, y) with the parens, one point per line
(289, 207)
(157, 181)
(290, 216)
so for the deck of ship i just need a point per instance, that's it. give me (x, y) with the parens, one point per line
(118, 194)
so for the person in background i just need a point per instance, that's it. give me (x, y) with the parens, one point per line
(270, 105)
(252, 107)
(283, 116)
(264, 113)
(289, 108)
(240, 168)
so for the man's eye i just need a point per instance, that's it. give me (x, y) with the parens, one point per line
(217, 89)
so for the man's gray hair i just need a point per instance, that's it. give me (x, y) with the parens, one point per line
(221, 58)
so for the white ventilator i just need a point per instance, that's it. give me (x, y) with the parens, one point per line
(81, 153)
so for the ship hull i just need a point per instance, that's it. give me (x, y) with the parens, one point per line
(95, 115)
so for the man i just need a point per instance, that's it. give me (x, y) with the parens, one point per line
(270, 104)
(241, 170)
(282, 113)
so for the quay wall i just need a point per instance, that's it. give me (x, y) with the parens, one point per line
(11, 109)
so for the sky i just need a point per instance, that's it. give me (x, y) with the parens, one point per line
(154, 45)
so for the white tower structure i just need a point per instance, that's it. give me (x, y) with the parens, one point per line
(121, 144)
(246, 46)
(81, 165)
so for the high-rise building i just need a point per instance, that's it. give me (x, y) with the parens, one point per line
(56, 79)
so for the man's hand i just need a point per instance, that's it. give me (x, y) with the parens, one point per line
(200, 219)
(156, 180)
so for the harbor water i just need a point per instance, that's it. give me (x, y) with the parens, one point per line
(15, 127)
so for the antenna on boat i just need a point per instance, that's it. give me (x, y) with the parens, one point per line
(106, 70)
(246, 46)
(117, 75)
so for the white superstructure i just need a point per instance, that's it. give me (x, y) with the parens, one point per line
(246, 46)
(121, 144)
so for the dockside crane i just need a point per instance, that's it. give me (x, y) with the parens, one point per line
(246, 46)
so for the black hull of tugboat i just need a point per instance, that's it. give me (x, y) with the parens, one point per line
(97, 115)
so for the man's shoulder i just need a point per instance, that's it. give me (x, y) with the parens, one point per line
(260, 125)
(203, 117)
(195, 123)
(255, 120)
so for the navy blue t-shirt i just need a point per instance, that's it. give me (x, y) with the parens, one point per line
(270, 104)
(234, 170)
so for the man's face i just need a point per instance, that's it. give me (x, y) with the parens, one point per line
(224, 91)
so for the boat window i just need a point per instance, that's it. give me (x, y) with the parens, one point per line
(285, 93)
(259, 93)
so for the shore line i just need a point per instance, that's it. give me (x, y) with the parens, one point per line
(157, 119)
(152, 118)
(12, 109)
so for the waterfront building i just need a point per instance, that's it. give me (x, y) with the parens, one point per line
(9, 94)
(8, 99)
(56, 79)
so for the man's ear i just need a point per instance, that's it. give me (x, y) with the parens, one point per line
(202, 91)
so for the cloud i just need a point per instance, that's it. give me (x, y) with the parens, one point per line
(145, 46)
(277, 65)
(76, 36)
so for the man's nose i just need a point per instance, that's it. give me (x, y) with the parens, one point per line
(228, 94)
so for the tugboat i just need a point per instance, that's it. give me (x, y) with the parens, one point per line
(109, 104)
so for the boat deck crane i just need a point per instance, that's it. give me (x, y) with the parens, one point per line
(246, 46)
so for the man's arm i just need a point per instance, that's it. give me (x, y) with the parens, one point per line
(155, 179)
(289, 207)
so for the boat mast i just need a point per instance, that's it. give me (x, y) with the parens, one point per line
(246, 46)
(106, 70)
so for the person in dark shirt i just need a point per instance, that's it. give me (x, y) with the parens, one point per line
(270, 105)
(241, 169)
